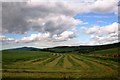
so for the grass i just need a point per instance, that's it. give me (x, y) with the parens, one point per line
(60, 62)
(67, 64)
(17, 55)
(54, 62)
(48, 65)
(109, 54)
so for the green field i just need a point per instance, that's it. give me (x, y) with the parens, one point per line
(40, 64)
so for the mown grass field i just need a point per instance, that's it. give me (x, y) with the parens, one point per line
(39, 64)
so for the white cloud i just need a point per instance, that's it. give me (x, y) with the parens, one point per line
(104, 6)
(112, 38)
(66, 35)
(38, 38)
(1, 37)
(28, 39)
(16, 16)
(6, 40)
(54, 24)
(103, 34)
(112, 28)
(33, 38)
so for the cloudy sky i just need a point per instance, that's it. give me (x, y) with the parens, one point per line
(49, 23)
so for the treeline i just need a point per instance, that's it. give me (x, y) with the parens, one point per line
(81, 49)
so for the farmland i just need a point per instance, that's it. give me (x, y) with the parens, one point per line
(45, 65)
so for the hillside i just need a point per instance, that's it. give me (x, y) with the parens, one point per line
(25, 48)
(26, 63)
(43, 65)
(75, 49)
(81, 49)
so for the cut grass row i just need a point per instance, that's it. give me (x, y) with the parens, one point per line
(68, 61)
(54, 62)
(46, 61)
(57, 65)
(100, 67)
(61, 61)
(85, 63)
(67, 64)
(78, 63)
(104, 62)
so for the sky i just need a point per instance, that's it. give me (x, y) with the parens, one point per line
(50, 23)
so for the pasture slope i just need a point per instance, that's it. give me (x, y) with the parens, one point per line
(45, 65)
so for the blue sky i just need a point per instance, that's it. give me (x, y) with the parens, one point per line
(97, 18)
(40, 25)
(94, 19)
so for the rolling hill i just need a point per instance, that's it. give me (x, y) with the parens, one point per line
(81, 49)
(75, 49)
(28, 63)
(25, 48)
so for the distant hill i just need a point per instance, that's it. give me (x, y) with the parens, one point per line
(75, 49)
(81, 49)
(25, 48)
